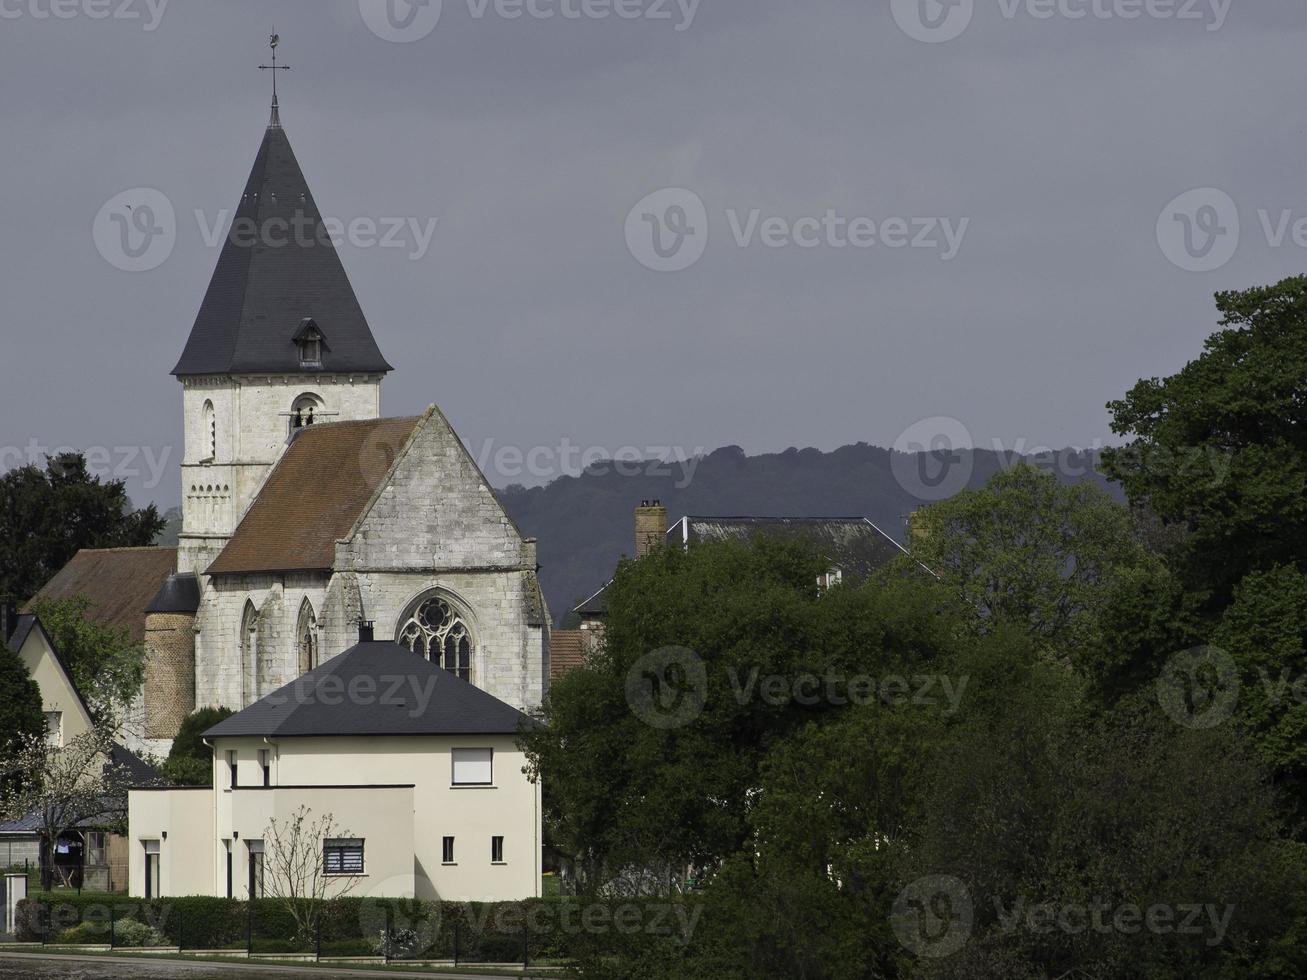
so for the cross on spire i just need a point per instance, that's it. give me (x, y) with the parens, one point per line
(273, 40)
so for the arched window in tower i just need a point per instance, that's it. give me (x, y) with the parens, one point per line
(435, 628)
(210, 432)
(249, 655)
(305, 410)
(306, 634)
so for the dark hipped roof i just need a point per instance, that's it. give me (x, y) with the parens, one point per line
(180, 594)
(119, 582)
(312, 498)
(262, 292)
(386, 679)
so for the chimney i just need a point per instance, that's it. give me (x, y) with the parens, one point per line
(367, 631)
(8, 617)
(650, 527)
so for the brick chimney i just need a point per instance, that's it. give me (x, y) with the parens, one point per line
(8, 617)
(650, 527)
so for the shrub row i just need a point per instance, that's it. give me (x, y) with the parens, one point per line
(552, 929)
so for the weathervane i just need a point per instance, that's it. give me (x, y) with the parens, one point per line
(274, 40)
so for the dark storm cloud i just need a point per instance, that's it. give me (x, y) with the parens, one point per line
(815, 135)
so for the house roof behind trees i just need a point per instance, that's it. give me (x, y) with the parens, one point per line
(118, 582)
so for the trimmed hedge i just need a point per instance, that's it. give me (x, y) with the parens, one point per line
(546, 930)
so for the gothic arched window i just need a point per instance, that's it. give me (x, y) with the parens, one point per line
(435, 628)
(306, 638)
(249, 655)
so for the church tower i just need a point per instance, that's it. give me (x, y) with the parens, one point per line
(280, 343)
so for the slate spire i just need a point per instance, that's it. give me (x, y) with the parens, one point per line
(278, 268)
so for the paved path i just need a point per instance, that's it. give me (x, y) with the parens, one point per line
(48, 965)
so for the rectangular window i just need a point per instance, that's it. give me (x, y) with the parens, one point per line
(474, 767)
(95, 856)
(227, 844)
(231, 767)
(254, 887)
(265, 762)
(342, 857)
(54, 728)
(447, 851)
(151, 868)
(496, 850)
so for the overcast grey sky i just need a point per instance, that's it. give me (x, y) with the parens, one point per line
(1051, 143)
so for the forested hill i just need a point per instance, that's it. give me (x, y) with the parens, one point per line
(585, 523)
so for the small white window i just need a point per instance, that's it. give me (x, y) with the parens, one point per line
(474, 767)
(496, 850)
(54, 728)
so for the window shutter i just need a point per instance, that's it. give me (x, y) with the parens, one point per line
(473, 767)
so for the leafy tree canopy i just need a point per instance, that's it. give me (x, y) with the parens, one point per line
(1220, 448)
(48, 515)
(190, 762)
(105, 664)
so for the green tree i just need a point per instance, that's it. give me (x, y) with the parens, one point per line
(636, 784)
(48, 515)
(190, 762)
(1030, 551)
(21, 718)
(1220, 448)
(107, 666)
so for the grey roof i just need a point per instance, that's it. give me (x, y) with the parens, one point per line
(267, 284)
(180, 594)
(378, 688)
(134, 768)
(22, 630)
(853, 544)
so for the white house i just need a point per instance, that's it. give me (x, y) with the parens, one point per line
(419, 768)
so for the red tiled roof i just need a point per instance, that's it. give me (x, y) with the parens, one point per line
(566, 652)
(119, 582)
(313, 497)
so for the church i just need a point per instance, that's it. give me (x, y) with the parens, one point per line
(305, 513)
